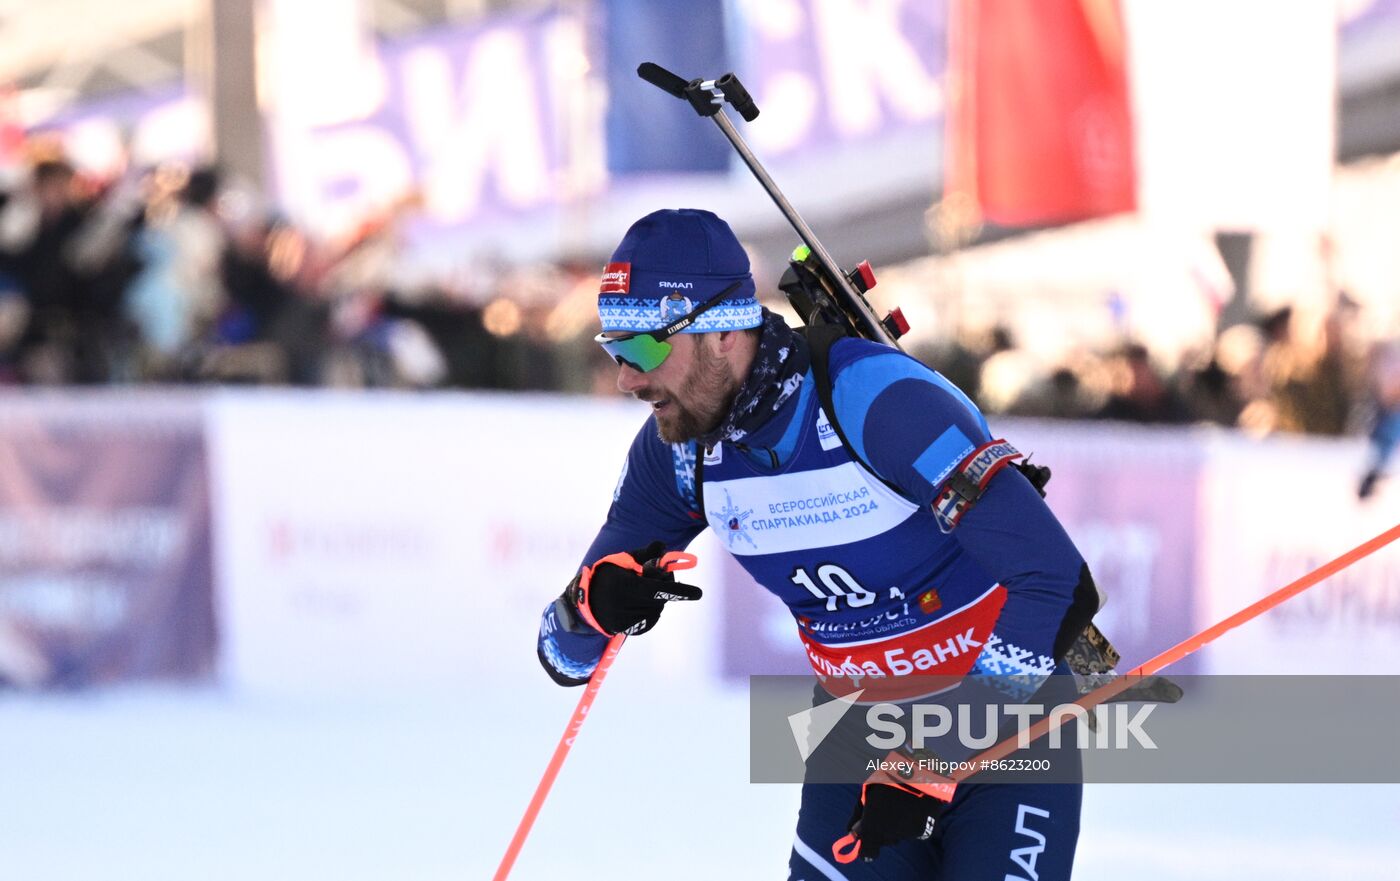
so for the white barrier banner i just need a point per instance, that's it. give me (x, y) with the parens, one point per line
(397, 540)
(1275, 511)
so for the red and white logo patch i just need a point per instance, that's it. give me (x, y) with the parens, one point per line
(617, 279)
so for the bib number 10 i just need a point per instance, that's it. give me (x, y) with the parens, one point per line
(835, 584)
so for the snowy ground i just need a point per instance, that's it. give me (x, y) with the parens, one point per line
(195, 783)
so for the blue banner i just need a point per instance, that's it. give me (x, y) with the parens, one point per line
(826, 72)
(648, 130)
(501, 119)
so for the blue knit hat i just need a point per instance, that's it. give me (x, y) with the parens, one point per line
(670, 262)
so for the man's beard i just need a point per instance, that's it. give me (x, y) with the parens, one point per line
(708, 391)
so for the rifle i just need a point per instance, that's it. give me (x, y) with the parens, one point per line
(814, 284)
(824, 295)
(820, 293)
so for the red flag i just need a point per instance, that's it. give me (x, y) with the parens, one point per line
(1039, 128)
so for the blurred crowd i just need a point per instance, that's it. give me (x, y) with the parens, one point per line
(174, 275)
(1280, 372)
(1286, 370)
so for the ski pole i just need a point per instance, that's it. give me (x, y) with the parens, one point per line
(670, 562)
(847, 848)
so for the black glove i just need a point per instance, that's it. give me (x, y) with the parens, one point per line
(625, 593)
(887, 815)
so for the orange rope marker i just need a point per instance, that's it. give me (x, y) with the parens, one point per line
(847, 848)
(670, 562)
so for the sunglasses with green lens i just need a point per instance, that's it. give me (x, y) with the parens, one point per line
(645, 350)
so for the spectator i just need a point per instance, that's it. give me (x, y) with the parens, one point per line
(179, 293)
(1309, 371)
(40, 223)
(1385, 422)
(1210, 390)
(1139, 393)
(1061, 395)
(1007, 372)
(14, 318)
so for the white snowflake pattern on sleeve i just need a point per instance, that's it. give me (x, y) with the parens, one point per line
(1011, 669)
